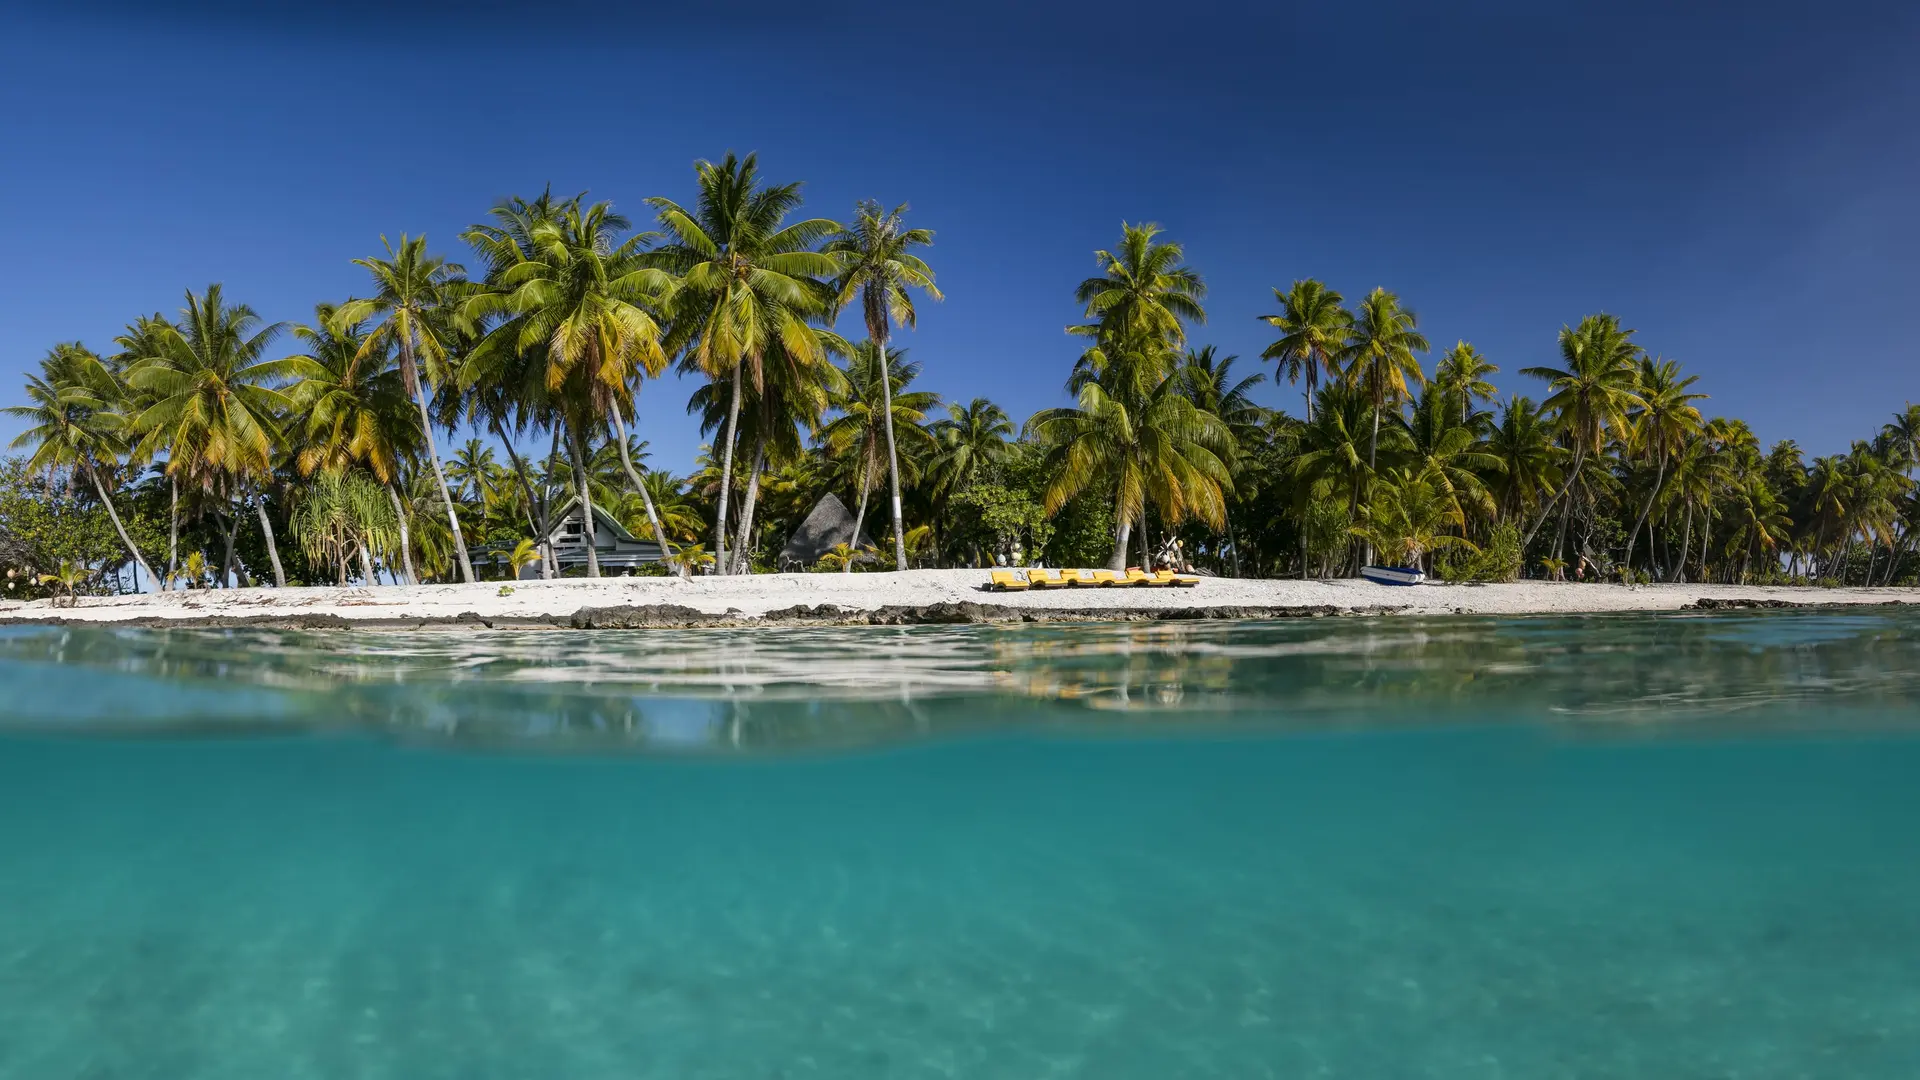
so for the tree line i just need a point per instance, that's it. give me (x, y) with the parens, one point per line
(208, 440)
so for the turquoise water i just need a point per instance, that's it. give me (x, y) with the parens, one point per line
(1684, 846)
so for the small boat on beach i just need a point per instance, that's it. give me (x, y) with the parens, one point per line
(1392, 575)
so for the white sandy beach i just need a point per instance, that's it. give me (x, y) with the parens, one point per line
(746, 597)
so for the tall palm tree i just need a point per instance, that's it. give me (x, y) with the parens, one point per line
(869, 405)
(1162, 449)
(1379, 355)
(1462, 375)
(1313, 330)
(1529, 460)
(1139, 306)
(357, 411)
(747, 278)
(1334, 449)
(1207, 380)
(413, 296)
(142, 338)
(1446, 453)
(1591, 393)
(215, 404)
(1665, 418)
(877, 262)
(472, 470)
(971, 437)
(73, 424)
(581, 299)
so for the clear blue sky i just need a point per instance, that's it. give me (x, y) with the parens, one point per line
(1740, 186)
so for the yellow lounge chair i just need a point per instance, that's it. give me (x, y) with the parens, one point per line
(1081, 578)
(1168, 577)
(1103, 577)
(1137, 576)
(1006, 581)
(1046, 579)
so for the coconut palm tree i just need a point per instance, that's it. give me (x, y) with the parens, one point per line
(1163, 449)
(1144, 292)
(1462, 376)
(472, 470)
(858, 435)
(1590, 394)
(582, 300)
(1379, 355)
(1660, 424)
(1334, 450)
(1408, 515)
(971, 437)
(413, 297)
(877, 263)
(1529, 461)
(142, 338)
(72, 424)
(1207, 380)
(215, 406)
(356, 408)
(1447, 453)
(747, 278)
(1313, 331)
(1759, 522)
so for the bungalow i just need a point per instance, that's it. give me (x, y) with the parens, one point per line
(618, 549)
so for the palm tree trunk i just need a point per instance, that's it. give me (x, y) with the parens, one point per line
(1373, 445)
(366, 566)
(743, 551)
(101, 491)
(877, 330)
(1122, 530)
(536, 507)
(1706, 537)
(173, 531)
(1313, 382)
(590, 526)
(1659, 477)
(1234, 543)
(406, 534)
(226, 562)
(1146, 548)
(859, 519)
(1579, 458)
(433, 455)
(646, 497)
(726, 475)
(273, 549)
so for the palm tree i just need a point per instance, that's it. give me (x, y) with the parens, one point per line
(581, 299)
(972, 436)
(1313, 331)
(1661, 424)
(1379, 355)
(1591, 393)
(877, 262)
(413, 293)
(1448, 454)
(1164, 450)
(357, 410)
(1139, 305)
(472, 470)
(73, 424)
(142, 338)
(1462, 376)
(214, 405)
(1529, 461)
(869, 405)
(1331, 451)
(1759, 522)
(1407, 516)
(1207, 381)
(747, 279)
(343, 514)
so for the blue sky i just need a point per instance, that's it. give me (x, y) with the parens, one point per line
(1739, 184)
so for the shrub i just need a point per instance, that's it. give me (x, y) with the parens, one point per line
(1497, 560)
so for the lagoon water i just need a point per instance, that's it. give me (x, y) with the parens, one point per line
(1633, 846)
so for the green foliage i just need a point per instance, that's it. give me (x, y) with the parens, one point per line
(1497, 560)
(45, 523)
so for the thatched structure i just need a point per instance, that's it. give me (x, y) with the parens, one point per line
(827, 526)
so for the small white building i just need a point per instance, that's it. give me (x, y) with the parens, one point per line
(618, 549)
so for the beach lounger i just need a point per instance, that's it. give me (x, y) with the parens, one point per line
(1006, 581)
(1046, 579)
(1137, 576)
(1080, 578)
(1168, 577)
(1104, 577)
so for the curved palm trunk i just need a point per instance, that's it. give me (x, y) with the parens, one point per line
(743, 550)
(877, 330)
(1373, 446)
(859, 518)
(589, 524)
(646, 497)
(226, 562)
(273, 549)
(366, 566)
(1579, 459)
(1659, 477)
(100, 490)
(173, 531)
(726, 476)
(433, 455)
(1679, 572)
(406, 534)
(536, 507)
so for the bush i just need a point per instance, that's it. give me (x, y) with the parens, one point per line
(1497, 560)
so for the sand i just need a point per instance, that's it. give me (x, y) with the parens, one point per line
(913, 596)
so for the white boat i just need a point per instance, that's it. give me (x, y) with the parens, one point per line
(1392, 575)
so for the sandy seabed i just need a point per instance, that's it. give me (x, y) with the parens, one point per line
(562, 602)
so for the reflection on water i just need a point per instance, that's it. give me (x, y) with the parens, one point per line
(798, 688)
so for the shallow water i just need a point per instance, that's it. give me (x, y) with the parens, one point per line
(1678, 846)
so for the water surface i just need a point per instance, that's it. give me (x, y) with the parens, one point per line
(1631, 846)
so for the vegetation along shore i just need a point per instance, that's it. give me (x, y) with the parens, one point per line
(454, 422)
